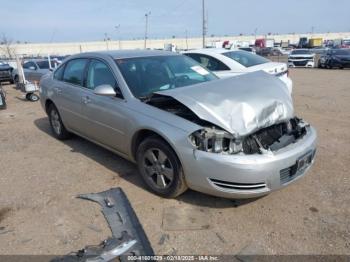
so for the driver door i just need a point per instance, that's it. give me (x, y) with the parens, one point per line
(104, 116)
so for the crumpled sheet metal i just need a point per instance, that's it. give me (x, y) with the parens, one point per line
(241, 105)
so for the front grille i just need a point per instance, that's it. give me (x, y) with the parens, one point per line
(237, 186)
(300, 63)
(273, 137)
(288, 174)
(301, 58)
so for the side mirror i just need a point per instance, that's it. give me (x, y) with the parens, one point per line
(105, 90)
(32, 68)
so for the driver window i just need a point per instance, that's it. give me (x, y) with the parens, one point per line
(99, 74)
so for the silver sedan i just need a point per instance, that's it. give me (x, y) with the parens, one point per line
(236, 137)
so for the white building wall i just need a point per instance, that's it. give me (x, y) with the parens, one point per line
(43, 49)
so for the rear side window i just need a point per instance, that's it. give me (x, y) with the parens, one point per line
(99, 74)
(246, 59)
(209, 62)
(74, 72)
(59, 73)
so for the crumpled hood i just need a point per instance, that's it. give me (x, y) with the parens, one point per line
(241, 104)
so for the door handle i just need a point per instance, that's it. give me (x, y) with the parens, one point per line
(86, 100)
(58, 90)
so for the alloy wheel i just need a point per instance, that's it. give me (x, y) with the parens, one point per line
(158, 168)
(55, 122)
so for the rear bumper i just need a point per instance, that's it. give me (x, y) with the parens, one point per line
(248, 176)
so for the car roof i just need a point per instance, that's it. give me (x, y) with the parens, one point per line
(211, 50)
(301, 49)
(120, 54)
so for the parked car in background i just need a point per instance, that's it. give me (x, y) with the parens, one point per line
(301, 58)
(227, 63)
(281, 51)
(35, 69)
(345, 43)
(339, 58)
(236, 137)
(248, 49)
(6, 72)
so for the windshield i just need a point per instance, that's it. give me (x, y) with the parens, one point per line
(301, 52)
(145, 75)
(246, 59)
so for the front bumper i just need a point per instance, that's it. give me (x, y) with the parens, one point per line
(247, 176)
(301, 63)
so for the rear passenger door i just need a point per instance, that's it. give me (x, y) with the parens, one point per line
(104, 116)
(67, 90)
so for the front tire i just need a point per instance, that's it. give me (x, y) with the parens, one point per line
(160, 168)
(57, 127)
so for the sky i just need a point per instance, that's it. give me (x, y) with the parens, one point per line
(91, 20)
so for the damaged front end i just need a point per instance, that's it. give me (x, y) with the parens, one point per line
(250, 114)
(271, 139)
(214, 139)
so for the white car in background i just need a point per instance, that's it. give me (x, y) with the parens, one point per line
(301, 58)
(227, 63)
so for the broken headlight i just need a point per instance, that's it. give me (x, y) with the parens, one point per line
(215, 141)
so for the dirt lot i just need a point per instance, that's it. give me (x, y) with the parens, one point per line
(40, 177)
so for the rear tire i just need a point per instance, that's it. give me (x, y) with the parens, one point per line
(57, 127)
(160, 168)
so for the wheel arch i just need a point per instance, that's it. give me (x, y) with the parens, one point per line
(145, 133)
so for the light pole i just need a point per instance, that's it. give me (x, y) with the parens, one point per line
(117, 28)
(106, 39)
(203, 24)
(146, 29)
(255, 30)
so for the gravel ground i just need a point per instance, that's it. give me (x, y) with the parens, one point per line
(40, 177)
